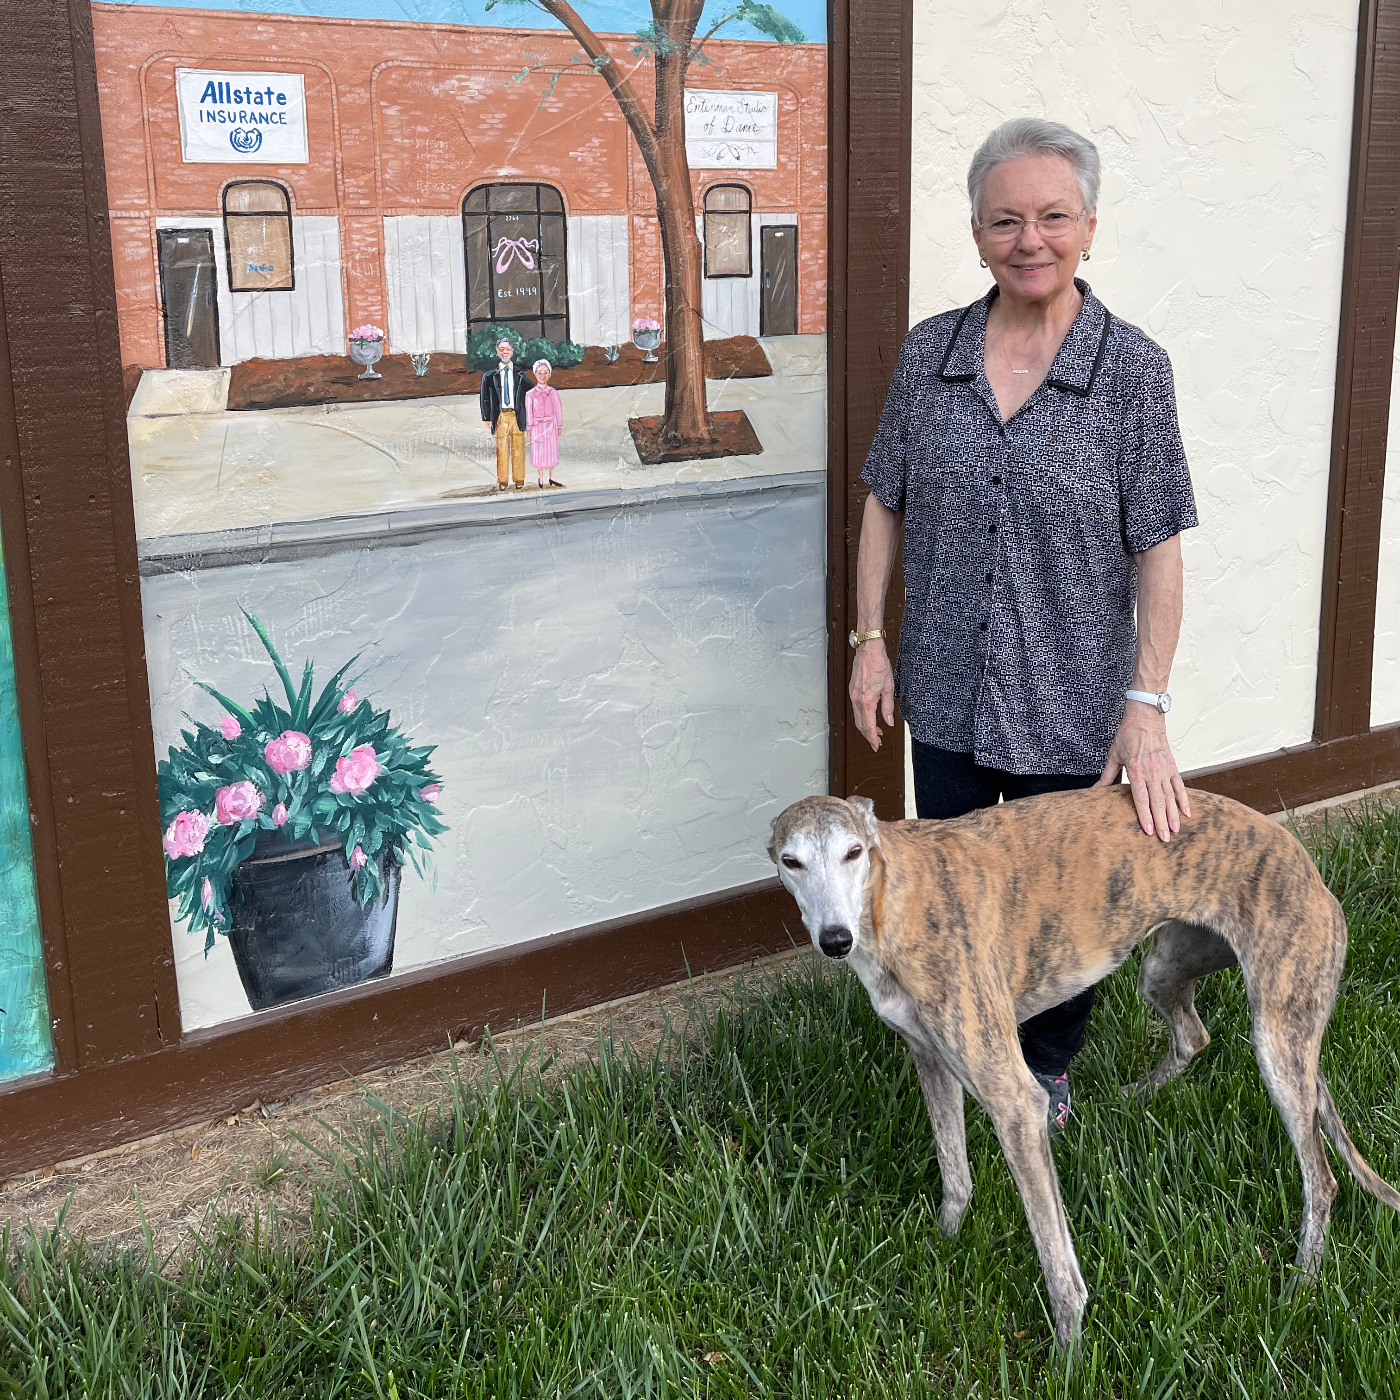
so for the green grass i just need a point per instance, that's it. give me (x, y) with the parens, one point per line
(750, 1212)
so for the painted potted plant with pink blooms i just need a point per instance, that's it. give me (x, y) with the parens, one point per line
(646, 335)
(366, 348)
(286, 829)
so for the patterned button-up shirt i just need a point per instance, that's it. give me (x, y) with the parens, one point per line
(1019, 631)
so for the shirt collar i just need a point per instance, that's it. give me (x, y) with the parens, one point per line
(1076, 363)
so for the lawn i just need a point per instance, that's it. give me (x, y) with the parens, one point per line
(751, 1212)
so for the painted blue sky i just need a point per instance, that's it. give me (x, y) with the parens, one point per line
(606, 16)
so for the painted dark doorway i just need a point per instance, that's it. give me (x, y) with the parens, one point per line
(517, 274)
(778, 308)
(189, 297)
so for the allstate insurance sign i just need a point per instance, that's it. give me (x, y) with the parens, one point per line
(257, 118)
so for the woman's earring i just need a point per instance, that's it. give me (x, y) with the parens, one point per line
(983, 261)
(1084, 256)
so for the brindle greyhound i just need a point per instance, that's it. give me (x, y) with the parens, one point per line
(961, 929)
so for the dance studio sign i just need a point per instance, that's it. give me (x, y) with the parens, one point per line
(256, 118)
(731, 130)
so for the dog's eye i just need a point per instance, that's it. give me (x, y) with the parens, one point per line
(855, 853)
(792, 862)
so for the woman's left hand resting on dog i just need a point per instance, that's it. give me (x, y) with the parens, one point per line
(1141, 744)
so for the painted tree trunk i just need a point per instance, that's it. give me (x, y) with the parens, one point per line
(687, 418)
(662, 144)
(687, 413)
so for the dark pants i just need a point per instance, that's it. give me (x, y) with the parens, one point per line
(954, 784)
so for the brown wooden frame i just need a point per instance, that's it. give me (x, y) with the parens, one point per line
(1370, 283)
(124, 1067)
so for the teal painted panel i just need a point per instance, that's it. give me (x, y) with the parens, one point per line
(26, 1043)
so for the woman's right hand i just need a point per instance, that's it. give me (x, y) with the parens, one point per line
(872, 690)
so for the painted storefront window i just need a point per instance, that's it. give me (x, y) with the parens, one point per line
(26, 1041)
(477, 424)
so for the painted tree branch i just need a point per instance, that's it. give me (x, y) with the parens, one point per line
(618, 82)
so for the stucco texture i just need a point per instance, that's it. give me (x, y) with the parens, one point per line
(622, 700)
(1225, 133)
(1385, 667)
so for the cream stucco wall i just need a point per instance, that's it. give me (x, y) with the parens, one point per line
(1225, 133)
(1385, 669)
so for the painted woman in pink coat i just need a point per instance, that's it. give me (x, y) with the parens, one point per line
(545, 415)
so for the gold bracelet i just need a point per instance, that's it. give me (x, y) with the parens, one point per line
(856, 638)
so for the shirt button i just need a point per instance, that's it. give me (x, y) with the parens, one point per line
(991, 529)
(989, 578)
(981, 626)
(996, 481)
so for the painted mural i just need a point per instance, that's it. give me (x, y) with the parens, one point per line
(26, 1042)
(475, 360)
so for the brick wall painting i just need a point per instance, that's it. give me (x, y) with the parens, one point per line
(477, 379)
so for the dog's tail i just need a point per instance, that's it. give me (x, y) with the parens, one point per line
(1361, 1169)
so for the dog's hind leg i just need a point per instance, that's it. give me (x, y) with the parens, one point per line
(1180, 954)
(943, 1096)
(1288, 1054)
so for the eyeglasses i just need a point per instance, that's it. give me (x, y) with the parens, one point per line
(1058, 223)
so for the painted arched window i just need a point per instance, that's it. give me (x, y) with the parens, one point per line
(258, 235)
(728, 248)
(516, 267)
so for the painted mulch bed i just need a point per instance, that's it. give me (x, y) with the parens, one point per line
(321, 379)
(734, 436)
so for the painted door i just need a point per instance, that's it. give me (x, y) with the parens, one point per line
(778, 308)
(189, 298)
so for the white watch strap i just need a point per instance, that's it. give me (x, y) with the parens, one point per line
(1146, 696)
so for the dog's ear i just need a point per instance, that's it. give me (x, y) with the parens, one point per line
(865, 812)
(773, 840)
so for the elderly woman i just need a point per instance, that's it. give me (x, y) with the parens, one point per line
(546, 419)
(1029, 451)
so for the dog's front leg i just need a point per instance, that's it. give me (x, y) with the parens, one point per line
(1017, 1107)
(944, 1097)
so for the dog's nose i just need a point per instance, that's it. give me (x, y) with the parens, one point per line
(835, 942)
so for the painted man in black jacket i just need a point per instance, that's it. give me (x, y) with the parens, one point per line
(503, 407)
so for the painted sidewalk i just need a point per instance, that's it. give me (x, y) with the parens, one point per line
(196, 467)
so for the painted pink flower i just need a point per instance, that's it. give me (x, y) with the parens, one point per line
(279, 814)
(230, 728)
(185, 835)
(289, 752)
(206, 899)
(430, 793)
(239, 802)
(355, 772)
(348, 701)
(357, 859)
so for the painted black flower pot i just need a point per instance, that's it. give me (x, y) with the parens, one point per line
(297, 929)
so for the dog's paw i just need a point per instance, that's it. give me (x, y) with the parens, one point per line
(1138, 1089)
(949, 1218)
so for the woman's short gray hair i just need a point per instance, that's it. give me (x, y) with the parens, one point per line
(1030, 136)
(535, 368)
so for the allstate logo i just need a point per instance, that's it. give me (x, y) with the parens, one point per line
(245, 138)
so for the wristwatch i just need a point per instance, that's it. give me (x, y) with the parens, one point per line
(856, 638)
(1162, 702)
